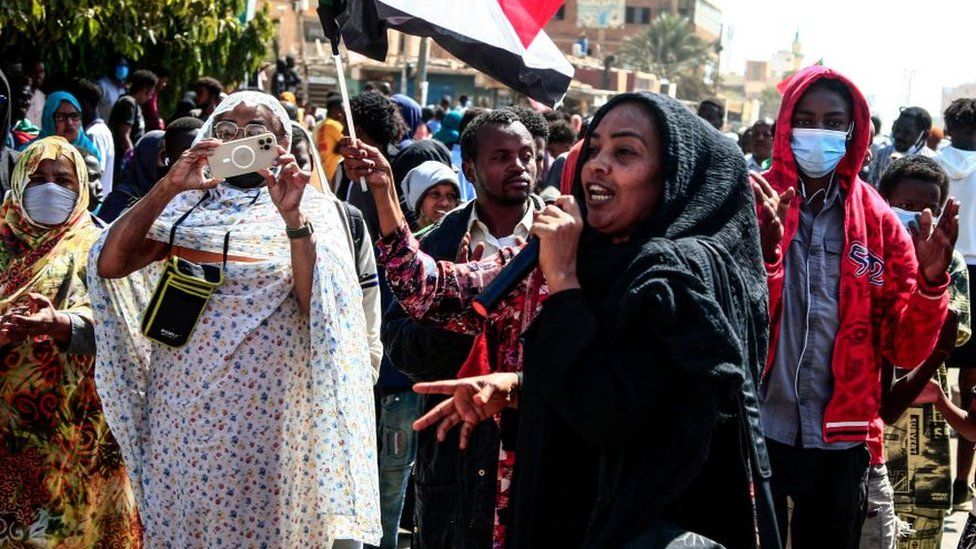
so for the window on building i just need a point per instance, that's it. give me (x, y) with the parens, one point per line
(561, 14)
(634, 15)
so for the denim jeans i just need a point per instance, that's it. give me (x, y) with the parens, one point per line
(397, 452)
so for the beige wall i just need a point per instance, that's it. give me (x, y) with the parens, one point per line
(564, 32)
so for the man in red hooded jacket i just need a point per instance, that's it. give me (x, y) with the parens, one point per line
(846, 289)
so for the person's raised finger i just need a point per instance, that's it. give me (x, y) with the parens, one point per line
(205, 144)
(269, 178)
(925, 224)
(465, 435)
(446, 425)
(478, 252)
(568, 204)
(950, 211)
(284, 159)
(436, 414)
(444, 387)
(463, 251)
(784, 202)
(764, 185)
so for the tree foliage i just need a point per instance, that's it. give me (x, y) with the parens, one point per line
(187, 38)
(670, 49)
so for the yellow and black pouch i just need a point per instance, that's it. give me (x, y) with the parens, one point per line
(181, 296)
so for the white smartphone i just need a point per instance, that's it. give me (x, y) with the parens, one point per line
(243, 156)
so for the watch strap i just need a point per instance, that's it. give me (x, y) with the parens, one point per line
(304, 231)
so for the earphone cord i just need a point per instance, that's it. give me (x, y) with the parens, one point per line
(825, 191)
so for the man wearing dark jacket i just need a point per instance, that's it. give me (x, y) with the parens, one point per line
(456, 491)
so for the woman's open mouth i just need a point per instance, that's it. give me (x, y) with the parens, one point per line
(597, 193)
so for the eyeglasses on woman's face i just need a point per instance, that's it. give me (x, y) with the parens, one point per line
(225, 130)
(66, 116)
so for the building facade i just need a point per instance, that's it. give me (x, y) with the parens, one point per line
(571, 22)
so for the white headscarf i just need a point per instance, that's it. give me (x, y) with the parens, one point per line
(250, 99)
(338, 422)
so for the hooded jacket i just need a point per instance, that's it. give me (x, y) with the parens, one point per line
(960, 165)
(886, 309)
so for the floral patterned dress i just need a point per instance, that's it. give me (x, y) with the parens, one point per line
(259, 432)
(62, 478)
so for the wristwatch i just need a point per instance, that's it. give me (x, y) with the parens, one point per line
(304, 231)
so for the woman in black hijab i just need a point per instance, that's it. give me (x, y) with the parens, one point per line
(637, 405)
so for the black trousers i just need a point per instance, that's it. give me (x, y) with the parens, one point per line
(829, 490)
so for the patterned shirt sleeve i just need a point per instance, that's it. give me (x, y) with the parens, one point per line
(436, 291)
(959, 296)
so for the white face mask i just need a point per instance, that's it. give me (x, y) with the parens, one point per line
(916, 146)
(49, 204)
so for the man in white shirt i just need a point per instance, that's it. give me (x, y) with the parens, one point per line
(34, 69)
(88, 95)
(496, 157)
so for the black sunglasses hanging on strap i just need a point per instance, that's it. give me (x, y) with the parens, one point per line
(182, 293)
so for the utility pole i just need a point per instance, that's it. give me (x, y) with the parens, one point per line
(403, 63)
(300, 7)
(420, 84)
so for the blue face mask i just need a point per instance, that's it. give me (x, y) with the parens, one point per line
(121, 72)
(817, 152)
(909, 218)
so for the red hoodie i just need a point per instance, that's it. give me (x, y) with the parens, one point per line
(885, 307)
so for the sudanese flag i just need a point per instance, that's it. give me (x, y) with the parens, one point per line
(501, 38)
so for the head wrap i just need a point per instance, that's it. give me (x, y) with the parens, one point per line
(410, 111)
(47, 121)
(425, 176)
(448, 134)
(26, 245)
(251, 99)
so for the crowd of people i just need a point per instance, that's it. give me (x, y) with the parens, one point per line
(730, 340)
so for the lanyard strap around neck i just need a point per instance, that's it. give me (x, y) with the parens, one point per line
(172, 231)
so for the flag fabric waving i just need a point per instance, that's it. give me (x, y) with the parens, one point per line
(501, 38)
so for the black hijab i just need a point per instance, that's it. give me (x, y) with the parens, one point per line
(628, 395)
(706, 214)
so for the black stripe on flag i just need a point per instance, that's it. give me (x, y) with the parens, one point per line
(363, 27)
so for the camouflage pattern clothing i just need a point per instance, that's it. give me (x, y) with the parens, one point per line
(917, 445)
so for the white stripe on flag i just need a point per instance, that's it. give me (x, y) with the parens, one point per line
(470, 19)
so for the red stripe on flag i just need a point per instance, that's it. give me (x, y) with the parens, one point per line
(529, 16)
